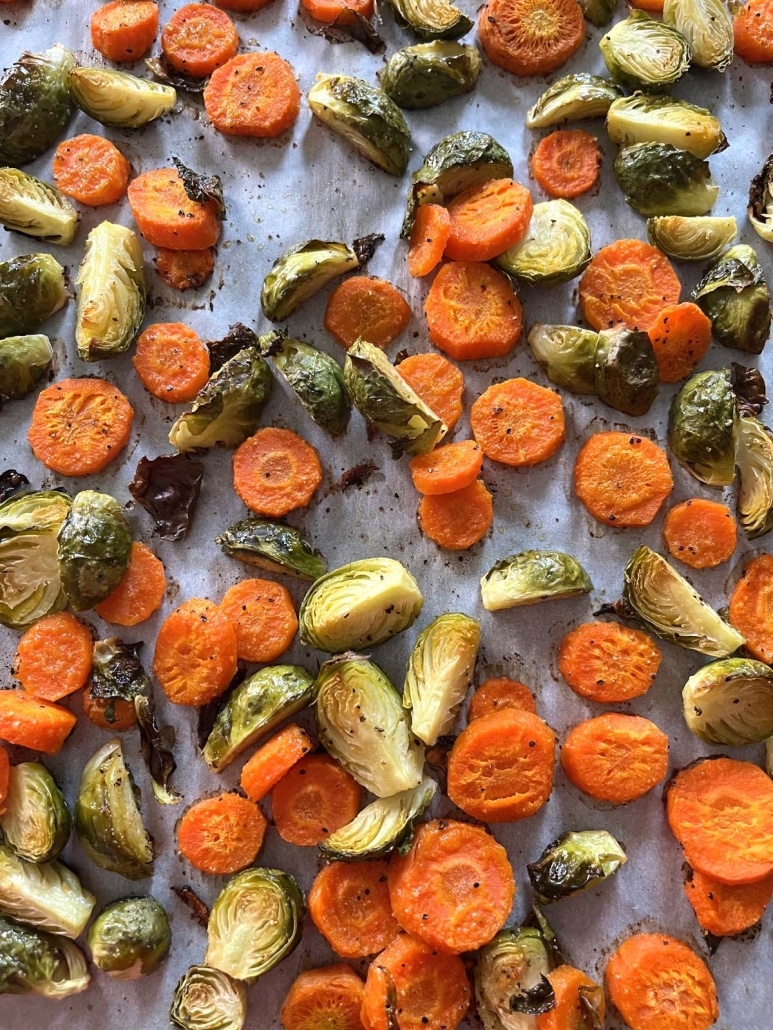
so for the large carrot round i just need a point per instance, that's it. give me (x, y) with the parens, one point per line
(124, 31)
(454, 888)
(167, 217)
(253, 95)
(429, 236)
(726, 911)
(531, 37)
(263, 614)
(447, 468)
(457, 520)
(439, 383)
(487, 219)
(498, 693)
(627, 281)
(680, 336)
(368, 308)
(5, 776)
(570, 1012)
(329, 998)
(567, 163)
(33, 723)
(313, 799)
(222, 834)
(79, 426)
(608, 662)
(472, 312)
(753, 32)
(751, 607)
(349, 905)
(701, 533)
(109, 713)
(140, 592)
(276, 471)
(171, 361)
(266, 766)
(622, 479)
(518, 422)
(185, 269)
(53, 657)
(195, 656)
(199, 38)
(658, 983)
(91, 169)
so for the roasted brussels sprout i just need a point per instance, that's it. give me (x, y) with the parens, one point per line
(575, 861)
(429, 73)
(35, 208)
(707, 25)
(380, 827)
(256, 921)
(730, 702)
(760, 209)
(36, 822)
(207, 999)
(598, 12)
(35, 104)
(228, 409)
(36, 962)
(255, 708)
(734, 295)
(111, 303)
(95, 545)
(272, 546)
(643, 118)
(696, 238)
(365, 116)
(754, 459)
(660, 179)
(316, 378)
(32, 288)
(385, 400)
(672, 609)
(363, 725)
(626, 375)
(107, 817)
(700, 427)
(439, 674)
(47, 895)
(568, 355)
(531, 577)
(302, 271)
(642, 53)
(130, 938)
(39, 511)
(571, 99)
(116, 671)
(119, 99)
(511, 983)
(361, 604)
(555, 249)
(436, 19)
(23, 362)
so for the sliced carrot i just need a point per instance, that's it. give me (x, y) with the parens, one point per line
(518, 423)
(615, 758)
(342, 12)
(79, 426)
(199, 38)
(753, 32)
(622, 479)
(659, 983)
(314, 798)
(263, 614)
(167, 217)
(499, 693)
(487, 219)
(185, 269)
(5, 775)
(124, 30)
(751, 607)
(567, 163)
(90, 169)
(243, 6)
(53, 657)
(457, 520)
(570, 1013)
(531, 37)
(429, 236)
(701, 533)
(196, 653)
(140, 592)
(349, 905)
(680, 337)
(472, 312)
(109, 713)
(454, 888)
(368, 308)
(721, 812)
(171, 361)
(276, 471)
(222, 834)
(30, 722)
(627, 281)
(726, 911)
(608, 662)
(329, 998)
(653, 6)
(439, 383)
(379, 1002)
(253, 95)
(266, 767)
(447, 468)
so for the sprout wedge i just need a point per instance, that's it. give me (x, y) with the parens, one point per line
(730, 702)
(119, 99)
(707, 25)
(431, 19)
(272, 546)
(571, 99)
(94, 549)
(760, 209)
(555, 249)
(531, 577)
(130, 938)
(35, 208)
(24, 360)
(643, 53)
(35, 104)
(316, 378)
(36, 822)
(424, 76)
(511, 983)
(301, 272)
(46, 895)
(32, 288)
(735, 296)
(661, 179)
(626, 375)
(643, 118)
(701, 427)
(574, 862)
(691, 238)
(754, 460)
(36, 962)
(568, 355)
(208, 999)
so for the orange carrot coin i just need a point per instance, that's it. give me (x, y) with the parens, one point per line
(608, 662)
(457, 520)
(487, 219)
(263, 614)
(726, 911)
(622, 479)
(324, 999)
(349, 905)
(124, 30)
(753, 32)
(680, 337)
(628, 282)
(572, 989)
(751, 607)
(91, 170)
(140, 592)
(494, 695)
(33, 723)
(338, 12)
(196, 653)
(276, 471)
(567, 163)
(272, 760)
(313, 799)
(438, 382)
(701, 533)
(53, 657)
(518, 423)
(185, 269)
(531, 37)
(222, 834)
(165, 214)
(253, 95)
(429, 236)
(447, 468)
(109, 713)
(198, 39)
(368, 308)
(171, 361)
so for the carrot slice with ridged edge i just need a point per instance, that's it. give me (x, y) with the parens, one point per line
(456, 521)
(263, 614)
(518, 422)
(680, 337)
(329, 998)
(124, 31)
(140, 592)
(570, 1013)
(429, 236)
(487, 219)
(726, 911)
(171, 361)
(531, 37)
(498, 693)
(628, 282)
(701, 533)
(198, 39)
(368, 308)
(91, 170)
(276, 471)
(447, 468)
(33, 723)
(349, 905)
(222, 834)
(622, 479)
(266, 766)
(567, 163)
(438, 382)
(185, 269)
(53, 657)
(253, 95)
(196, 653)
(608, 662)
(751, 607)
(313, 799)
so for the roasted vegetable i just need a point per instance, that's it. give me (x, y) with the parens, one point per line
(734, 295)
(168, 488)
(707, 25)
(35, 208)
(438, 19)
(206, 999)
(35, 104)
(38, 511)
(760, 209)
(626, 373)
(130, 938)
(573, 98)
(598, 12)
(575, 861)
(95, 545)
(555, 249)
(116, 671)
(32, 288)
(701, 427)
(302, 271)
(23, 362)
(643, 118)
(531, 577)
(511, 984)
(730, 702)
(429, 73)
(754, 460)
(274, 547)
(46, 895)
(695, 238)
(36, 962)
(568, 354)
(316, 378)
(119, 99)
(642, 53)
(36, 822)
(660, 179)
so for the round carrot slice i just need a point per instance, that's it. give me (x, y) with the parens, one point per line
(438, 382)
(185, 269)
(171, 361)
(276, 471)
(518, 422)
(726, 911)
(608, 662)
(167, 217)
(751, 607)
(349, 905)
(53, 657)
(494, 695)
(457, 520)
(567, 163)
(313, 799)
(340, 12)
(139, 593)
(753, 32)
(570, 1013)
(531, 37)
(368, 308)
(487, 219)
(222, 834)
(680, 337)
(622, 479)
(124, 32)
(447, 468)
(253, 95)
(324, 999)
(627, 281)
(91, 170)
(273, 760)
(701, 533)
(109, 713)
(429, 236)
(199, 38)
(195, 656)
(263, 614)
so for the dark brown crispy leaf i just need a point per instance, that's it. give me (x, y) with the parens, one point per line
(168, 488)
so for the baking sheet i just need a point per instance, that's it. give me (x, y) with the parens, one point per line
(310, 184)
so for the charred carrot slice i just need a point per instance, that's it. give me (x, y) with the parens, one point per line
(313, 799)
(171, 361)
(753, 32)
(329, 998)
(622, 479)
(751, 607)
(108, 713)
(567, 163)
(570, 985)
(90, 169)
(349, 905)
(276, 471)
(253, 95)
(608, 662)
(531, 37)
(726, 911)
(518, 422)
(429, 236)
(139, 593)
(438, 382)
(457, 520)
(196, 652)
(53, 657)
(628, 282)
(368, 308)
(198, 39)
(496, 694)
(167, 217)
(124, 30)
(263, 614)
(266, 767)
(31, 722)
(701, 533)
(222, 834)
(487, 219)
(447, 468)
(185, 269)
(680, 337)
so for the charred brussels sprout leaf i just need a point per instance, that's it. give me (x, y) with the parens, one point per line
(626, 370)
(36, 822)
(95, 545)
(531, 577)
(644, 118)
(168, 488)
(116, 671)
(555, 249)
(573, 98)
(734, 295)
(429, 73)
(511, 982)
(11, 482)
(660, 179)
(237, 338)
(156, 743)
(598, 12)
(32, 288)
(701, 427)
(201, 188)
(36, 962)
(316, 378)
(160, 68)
(760, 209)
(301, 272)
(642, 53)
(691, 238)
(46, 894)
(119, 99)
(568, 355)
(23, 362)
(730, 702)
(754, 458)
(707, 25)
(274, 547)
(35, 208)
(431, 19)
(130, 938)
(207, 999)
(35, 104)
(574, 862)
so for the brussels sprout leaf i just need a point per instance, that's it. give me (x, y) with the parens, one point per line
(201, 188)
(168, 488)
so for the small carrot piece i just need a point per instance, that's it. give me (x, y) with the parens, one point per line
(109, 713)
(185, 269)
(438, 382)
(31, 722)
(196, 653)
(570, 1013)
(124, 30)
(5, 776)
(263, 614)
(518, 422)
(368, 308)
(171, 361)
(447, 468)
(472, 312)
(608, 662)
(140, 592)
(222, 834)
(429, 236)
(243, 6)
(531, 37)
(91, 170)
(79, 426)
(454, 888)
(198, 39)
(253, 95)
(753, 32)
(567, 163)
(266, 766)
(499, 693)
(726, 911)
(276, 471)
(313, 799)
(622, 479)
(53, 657)
(751, 607)
(457, 520)
(487, 219)
(340, 12)
(627, 281)
(349, 905)
(329, 998)
(701, 533)
(680, 337)
(167, 217)
(653, 6)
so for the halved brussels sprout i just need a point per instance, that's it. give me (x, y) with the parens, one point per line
(707, 25)
(23, 362)
(272, 546)
(734, 295)
(531, 577)
(107, 817)
(643, 118)
(575, 861)
(95, 544)
(117, 98)
(36, 962)
(598, 12)
(361, 722)
(660, 179)
(701, 427)
(111, 303)
(385, 399)
(642, 53)
(32, 288)
(568, 355)
(511, 982)
(255, 708)
(36, 822)
(228, 409)
(431, 19)
(255, 922)
(35, 208)
(691, 238)
(754, 458)
(361, 604)
(35, 104)
(365, 116)
(626, 374)
(130, 938)
(316, 378)
(208, 999)
(47, 895)
(302, 271)
(555, 249)
(439, 674)
(730, 702)
(429, 73)
(571, 99)
(672, 609)
(760, 209)
(381, 826)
